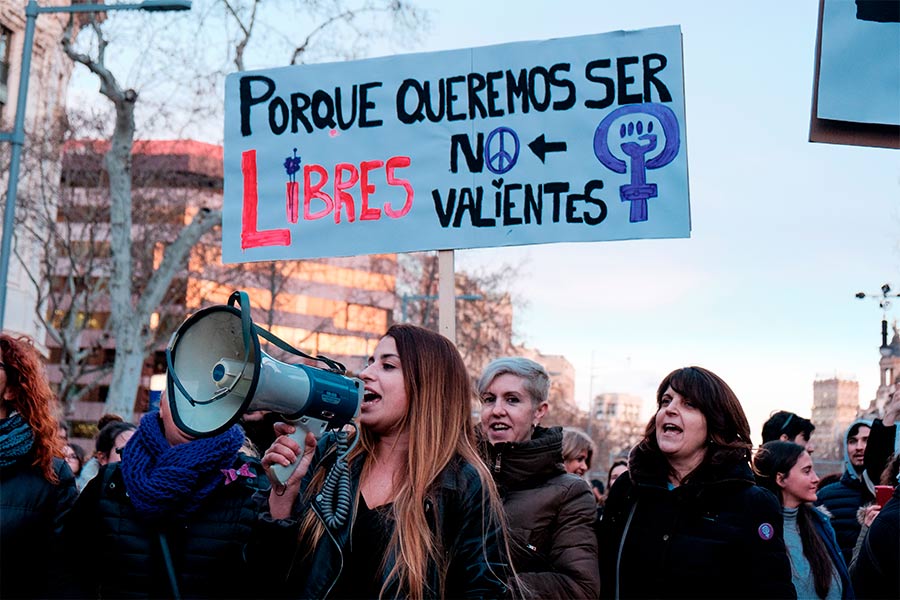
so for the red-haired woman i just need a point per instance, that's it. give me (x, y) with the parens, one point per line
(38, 487)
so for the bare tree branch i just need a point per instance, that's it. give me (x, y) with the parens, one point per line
(246, 29)
(175, 257)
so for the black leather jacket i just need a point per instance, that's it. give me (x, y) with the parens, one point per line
(455, 511)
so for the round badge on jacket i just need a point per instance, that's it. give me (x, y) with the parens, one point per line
(766, 531)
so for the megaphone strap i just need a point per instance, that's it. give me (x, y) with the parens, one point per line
(271, 337)
(240, 297)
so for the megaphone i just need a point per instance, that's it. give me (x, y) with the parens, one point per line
(217, 372)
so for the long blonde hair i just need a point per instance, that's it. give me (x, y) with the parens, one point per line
(440, 428)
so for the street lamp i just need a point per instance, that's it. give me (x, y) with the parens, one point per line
(17, 136)
(885, 305)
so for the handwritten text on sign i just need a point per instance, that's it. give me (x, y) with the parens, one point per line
(567, 140)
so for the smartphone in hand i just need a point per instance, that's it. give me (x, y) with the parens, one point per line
(883, 493)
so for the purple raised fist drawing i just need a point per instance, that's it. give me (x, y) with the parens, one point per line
(637, 137)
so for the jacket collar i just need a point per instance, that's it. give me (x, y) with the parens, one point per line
(521, 465)
(648, 467)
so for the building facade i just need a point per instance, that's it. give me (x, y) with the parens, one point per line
(40, 169)
(616, 424)
(333, 307)
(835, 406)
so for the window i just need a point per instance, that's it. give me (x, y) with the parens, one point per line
(5, 40)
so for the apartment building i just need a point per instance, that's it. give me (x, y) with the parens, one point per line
(835, 406)
(336, 307)
(50, 73)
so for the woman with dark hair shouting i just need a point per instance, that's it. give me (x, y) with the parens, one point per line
(687, 520)
(38, 487)
(425, 520)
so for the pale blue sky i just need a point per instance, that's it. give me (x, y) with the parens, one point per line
(784, 231)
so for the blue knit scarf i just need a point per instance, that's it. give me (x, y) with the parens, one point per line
(166, 481)
(16, 439)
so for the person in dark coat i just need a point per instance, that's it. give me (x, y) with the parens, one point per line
(855, 489)
(687, 520)
(817, 564)
(420, 517)
(37, 487)
(874, 572)
(884, 439)
(171, 520)
(551, 513)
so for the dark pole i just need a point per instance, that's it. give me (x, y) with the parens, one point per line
(17, 137)
(18, 141)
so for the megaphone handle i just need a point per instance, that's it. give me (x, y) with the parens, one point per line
(283, 473)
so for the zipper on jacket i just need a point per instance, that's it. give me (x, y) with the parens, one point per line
(497, 463)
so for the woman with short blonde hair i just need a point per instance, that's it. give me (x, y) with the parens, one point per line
(551, 513)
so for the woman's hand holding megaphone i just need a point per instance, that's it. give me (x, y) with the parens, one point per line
(284, 451)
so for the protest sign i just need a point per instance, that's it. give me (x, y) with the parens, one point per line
(566, 140)
(856, 83)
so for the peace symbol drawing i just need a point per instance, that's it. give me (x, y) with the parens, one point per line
(498, 157)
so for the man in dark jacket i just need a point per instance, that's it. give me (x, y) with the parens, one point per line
(788, 427)
(855, 489)
(172, 519)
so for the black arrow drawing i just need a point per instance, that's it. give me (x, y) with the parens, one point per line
(541, 147)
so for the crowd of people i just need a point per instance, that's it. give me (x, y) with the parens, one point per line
(417, 500)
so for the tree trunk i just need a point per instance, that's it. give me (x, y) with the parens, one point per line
(126, 325)
(126, 372)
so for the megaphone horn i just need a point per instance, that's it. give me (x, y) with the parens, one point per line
(217, 372)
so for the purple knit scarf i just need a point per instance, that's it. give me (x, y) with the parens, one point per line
(166, 481)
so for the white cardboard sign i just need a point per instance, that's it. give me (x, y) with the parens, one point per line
(567, 140)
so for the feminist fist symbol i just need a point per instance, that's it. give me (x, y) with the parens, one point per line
(637, 142)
